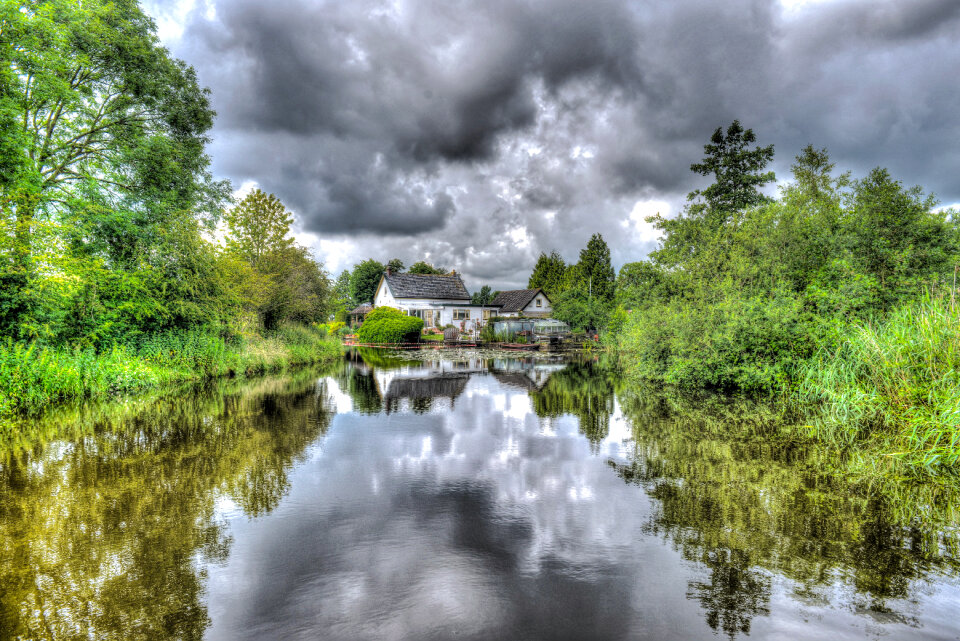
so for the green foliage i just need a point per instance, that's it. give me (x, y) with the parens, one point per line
(738, 174)
(737, 170)
(364, 280)
(395, 265)
(580, 311)
(594, 275)
(258, 226)
(33, 376)
(549, 274)
(422, 267)
(895, 381)
(484, 296)
(743, 300)
(105, 195)
(389, 325)
(103, 142)
(299, 290)
(641, 283)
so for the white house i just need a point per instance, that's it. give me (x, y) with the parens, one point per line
(526, 302)
(438, 300)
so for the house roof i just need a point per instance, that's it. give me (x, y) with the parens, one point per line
(449, 286)
(515, 299)
(362, 308)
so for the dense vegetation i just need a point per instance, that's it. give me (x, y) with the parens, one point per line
(389, 325)
(582, 293)
(835, 295)
(108, 216)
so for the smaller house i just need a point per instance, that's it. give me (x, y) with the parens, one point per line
(523, 302)
(355, 316)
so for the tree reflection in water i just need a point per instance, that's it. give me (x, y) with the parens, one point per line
(106, 529)
(104, 537)
(583, 389)
(745, 506)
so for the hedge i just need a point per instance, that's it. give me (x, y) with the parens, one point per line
(389, 325)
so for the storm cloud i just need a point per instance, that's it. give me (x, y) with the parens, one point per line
(479, 134)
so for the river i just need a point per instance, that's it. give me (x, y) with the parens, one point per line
(476, 496)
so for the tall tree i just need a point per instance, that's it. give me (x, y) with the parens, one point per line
(258, 225)
(896, 234)
(364, 280)
(549, 274)
(395, 265)
(102, 144)
(341, 287)
(595, 275)
(98, 102)
(738, 172)
(423, 267)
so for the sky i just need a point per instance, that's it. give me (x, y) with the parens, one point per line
(475, 135)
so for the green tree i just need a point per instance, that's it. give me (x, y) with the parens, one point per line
(641, 282)
(364, 280)
(483, 296)
(896, 236)
(737, 170)
(290, 285)
(258, 225)
(738, 176)
(396, 265)
(549, 274)
(300, 290)
(579, 310)
(103, 137)
(421, 267)
(594, 273)
(342, 301)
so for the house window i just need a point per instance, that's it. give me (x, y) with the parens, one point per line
(539, 303)
(461, 314)
(415, 312)
(487, 313)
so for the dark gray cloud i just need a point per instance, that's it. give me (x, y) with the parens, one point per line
(483, 133)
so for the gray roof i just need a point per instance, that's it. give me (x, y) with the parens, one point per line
(362, 308)
(448, 286)
(515, 299)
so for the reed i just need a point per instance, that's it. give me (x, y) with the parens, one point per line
(896, 382)
(34, 376)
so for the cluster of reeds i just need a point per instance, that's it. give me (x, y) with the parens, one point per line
(33, 376)
(897, 382)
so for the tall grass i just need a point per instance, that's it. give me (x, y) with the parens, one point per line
(895, 382)
(33, 376)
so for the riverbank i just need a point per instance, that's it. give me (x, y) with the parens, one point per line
(33, 377)
(886, 392)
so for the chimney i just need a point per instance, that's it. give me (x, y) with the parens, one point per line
(389, 271)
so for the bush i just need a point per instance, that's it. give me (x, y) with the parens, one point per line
(389, 325)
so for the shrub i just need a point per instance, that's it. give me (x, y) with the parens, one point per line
(389, 325)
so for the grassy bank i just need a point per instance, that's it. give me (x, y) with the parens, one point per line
(895, 384)
(33, 376)
(886, 392)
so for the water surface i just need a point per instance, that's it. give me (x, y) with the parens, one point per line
(475, 498)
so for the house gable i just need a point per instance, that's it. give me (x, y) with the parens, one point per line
(517, 300)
